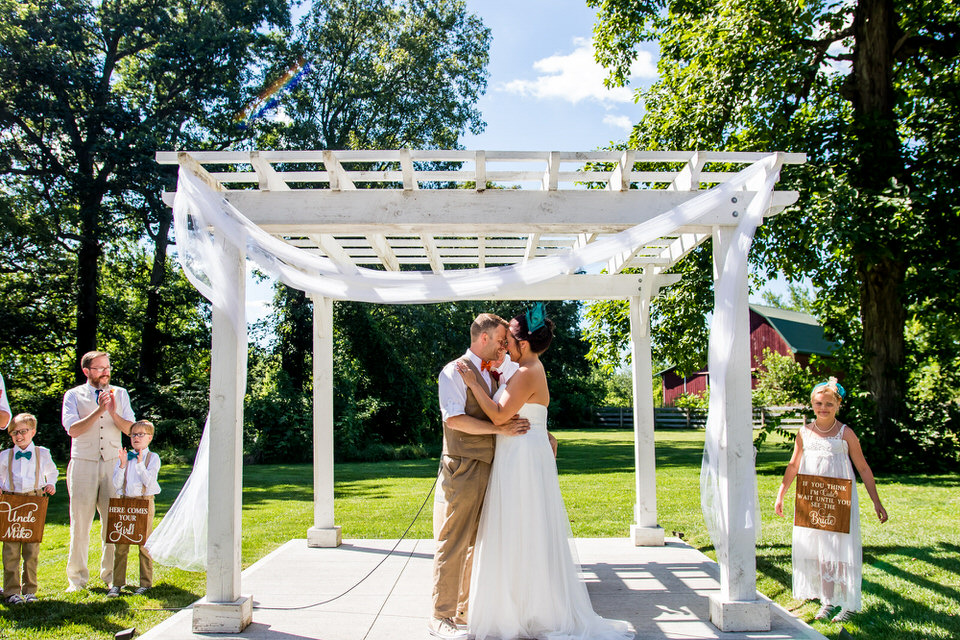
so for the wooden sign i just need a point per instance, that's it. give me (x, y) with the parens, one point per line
(823, 503)
(22, 517)
(128, 521)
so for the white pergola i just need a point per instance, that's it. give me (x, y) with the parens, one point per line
(383, 209)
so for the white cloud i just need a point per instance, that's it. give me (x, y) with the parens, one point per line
(577, 76)
(619, 122)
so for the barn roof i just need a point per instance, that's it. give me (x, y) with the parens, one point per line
(801, 331)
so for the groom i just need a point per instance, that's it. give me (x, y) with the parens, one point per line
(468, 443)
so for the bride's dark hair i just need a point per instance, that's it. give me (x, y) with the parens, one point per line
(539, 340)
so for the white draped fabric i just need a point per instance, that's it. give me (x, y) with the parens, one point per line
(204, 220)
(729, 296)
(180, 540)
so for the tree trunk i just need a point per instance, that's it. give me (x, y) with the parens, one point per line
(880, 263)
(295, 335)
(88, 282)
(150, 338)
(883, 315)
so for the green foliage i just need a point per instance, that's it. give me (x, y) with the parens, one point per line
(617, 387)
(278, 424)
(781, 381)
(699, 401)
(679, 333)
(800, 299)
(384, 74)
(88, 93)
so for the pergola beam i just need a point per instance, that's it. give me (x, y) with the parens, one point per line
(457, 211)
(379, 243)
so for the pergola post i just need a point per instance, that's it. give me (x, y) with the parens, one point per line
(645, 531)
(224, 609)
(736, 607)
(323, 533)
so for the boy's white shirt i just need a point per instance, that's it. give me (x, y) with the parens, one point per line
(24, 471)
(138, 474)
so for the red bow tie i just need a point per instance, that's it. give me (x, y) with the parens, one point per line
(486, 365)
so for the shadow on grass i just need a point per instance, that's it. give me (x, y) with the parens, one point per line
(897, 616)
(92, 610)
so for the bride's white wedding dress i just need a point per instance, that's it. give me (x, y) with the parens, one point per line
(525, 581)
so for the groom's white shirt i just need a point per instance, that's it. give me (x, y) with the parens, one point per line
(453, 390)
(507, 369)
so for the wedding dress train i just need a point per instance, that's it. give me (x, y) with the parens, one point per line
(525, 581)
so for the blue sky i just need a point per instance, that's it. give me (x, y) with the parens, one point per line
(545, 92)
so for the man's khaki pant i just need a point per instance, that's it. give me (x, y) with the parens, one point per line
(90, 484)
(464, 483)
(146, 562)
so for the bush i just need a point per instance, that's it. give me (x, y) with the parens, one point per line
(781, 381)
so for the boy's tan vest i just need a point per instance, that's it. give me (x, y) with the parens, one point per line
(102, 440)
(469, 445)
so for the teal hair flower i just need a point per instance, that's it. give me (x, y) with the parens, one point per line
(832, 382)
(536, 317)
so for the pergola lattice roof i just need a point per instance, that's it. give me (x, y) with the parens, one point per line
(385, 208)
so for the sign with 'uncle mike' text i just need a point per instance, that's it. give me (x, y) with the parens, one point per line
(22, 517)
(128, 521)
(823, 503)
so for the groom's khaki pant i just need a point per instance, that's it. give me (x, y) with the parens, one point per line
(464, 483)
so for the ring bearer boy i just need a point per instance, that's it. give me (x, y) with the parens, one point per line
(135, 476)
(25, 469)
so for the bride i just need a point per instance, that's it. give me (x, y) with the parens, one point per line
(525, 581)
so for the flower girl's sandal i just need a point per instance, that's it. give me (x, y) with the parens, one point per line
(824, 613)
(842, 616)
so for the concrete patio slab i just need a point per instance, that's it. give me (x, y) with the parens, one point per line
(311, 593)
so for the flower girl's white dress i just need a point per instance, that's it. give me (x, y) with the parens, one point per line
(825, 556)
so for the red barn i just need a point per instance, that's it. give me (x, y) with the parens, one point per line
(780, 330)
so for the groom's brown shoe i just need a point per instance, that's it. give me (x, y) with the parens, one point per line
(446, 629)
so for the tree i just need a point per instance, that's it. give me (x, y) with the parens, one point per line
(383, 74)
(800, 299)
(678, 321)
(781, 381)
(89, 91)
(869, 90)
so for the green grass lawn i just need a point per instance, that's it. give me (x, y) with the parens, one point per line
(911, 582)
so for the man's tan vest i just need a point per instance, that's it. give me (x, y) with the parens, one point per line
(469, 445)
(102, 440)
